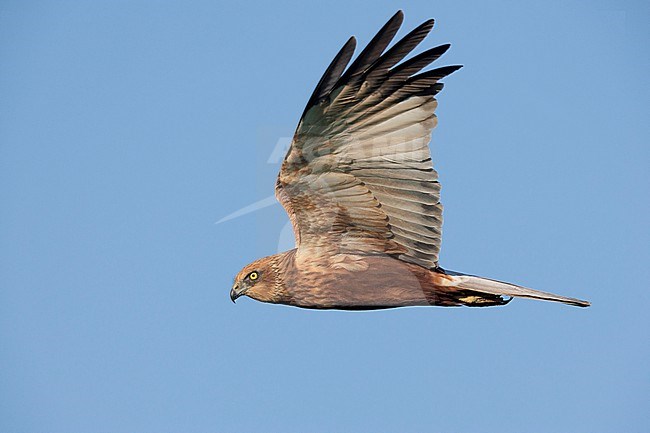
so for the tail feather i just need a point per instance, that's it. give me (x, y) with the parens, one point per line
(493, 287)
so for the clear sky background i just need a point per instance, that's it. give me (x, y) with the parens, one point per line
(128, 128)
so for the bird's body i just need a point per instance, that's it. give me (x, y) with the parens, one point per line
(350, 281)
(366, 282)
(363, 196)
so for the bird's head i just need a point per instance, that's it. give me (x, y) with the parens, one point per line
(257, 280)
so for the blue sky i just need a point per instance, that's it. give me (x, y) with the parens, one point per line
(128, 128)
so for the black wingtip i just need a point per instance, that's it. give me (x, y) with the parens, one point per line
(375, 47)
(397, 18)
(333, 72)
(443, 71)
(426, 26)
(350, 45)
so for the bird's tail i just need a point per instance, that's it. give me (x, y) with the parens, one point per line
(499, 288)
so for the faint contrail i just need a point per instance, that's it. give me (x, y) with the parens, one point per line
(260, 204)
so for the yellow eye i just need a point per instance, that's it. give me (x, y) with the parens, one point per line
(253, 276)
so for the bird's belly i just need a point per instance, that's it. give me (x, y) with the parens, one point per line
(348, 297)
(371, 283)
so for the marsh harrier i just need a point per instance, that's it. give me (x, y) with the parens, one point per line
(363, 196)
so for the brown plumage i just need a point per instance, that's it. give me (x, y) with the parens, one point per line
(363, 196)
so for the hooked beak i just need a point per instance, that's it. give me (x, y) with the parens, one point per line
(236, 292)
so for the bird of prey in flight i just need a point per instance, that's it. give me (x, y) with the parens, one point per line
(363, 196)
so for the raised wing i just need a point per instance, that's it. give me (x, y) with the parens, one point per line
(358, 176)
